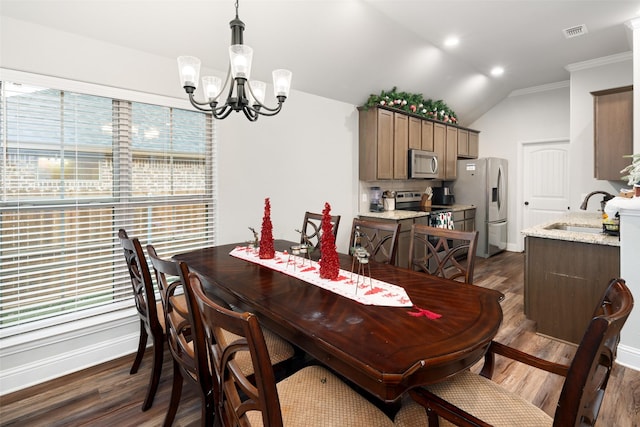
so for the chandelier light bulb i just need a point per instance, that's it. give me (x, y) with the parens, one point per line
(212, 86)
(189, 68)
(281, 82)
(240, 56)
(259, 90)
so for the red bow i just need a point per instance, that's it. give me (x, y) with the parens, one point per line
(422, 312)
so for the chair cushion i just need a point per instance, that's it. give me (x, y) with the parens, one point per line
(482, 398)
(279, 350)
(412, 414)
(313, 396)
(160, 311)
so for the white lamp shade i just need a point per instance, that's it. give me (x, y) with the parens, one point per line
(211, 85)
(189, 69)
(259, 89)
(281, 82)
(240, 56)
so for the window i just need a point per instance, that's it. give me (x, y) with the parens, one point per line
(74, 168)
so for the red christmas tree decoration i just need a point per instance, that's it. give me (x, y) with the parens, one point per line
(329, 263)
(266, 236)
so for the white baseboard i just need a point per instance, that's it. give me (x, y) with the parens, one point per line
(31, 362)
(628, 357)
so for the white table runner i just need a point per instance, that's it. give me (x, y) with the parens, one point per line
(362, 289)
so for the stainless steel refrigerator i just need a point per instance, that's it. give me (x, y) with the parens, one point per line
(483, 183)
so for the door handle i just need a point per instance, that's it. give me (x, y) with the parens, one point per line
(526, 203)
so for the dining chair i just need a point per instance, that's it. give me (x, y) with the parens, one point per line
(442, 252)
(469, 399)
(379, 238)
(311, 231)
(311, 396)
(150, 312)
(187, 344)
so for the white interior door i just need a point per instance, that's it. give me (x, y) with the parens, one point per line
(545, 179)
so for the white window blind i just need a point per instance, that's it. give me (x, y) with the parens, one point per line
(74, 169)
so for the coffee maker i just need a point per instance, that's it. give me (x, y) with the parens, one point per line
(375, 199)
(442, 196)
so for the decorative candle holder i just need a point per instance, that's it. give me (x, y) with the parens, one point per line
(361, 257)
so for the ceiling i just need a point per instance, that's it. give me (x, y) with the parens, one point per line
(348, 49)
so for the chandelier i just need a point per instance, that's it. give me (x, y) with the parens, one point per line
(243, 95)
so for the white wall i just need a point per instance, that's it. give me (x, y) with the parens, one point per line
(302, 158)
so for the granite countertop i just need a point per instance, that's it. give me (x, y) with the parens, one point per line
(575, 219)
(396, 215)
(399, 215)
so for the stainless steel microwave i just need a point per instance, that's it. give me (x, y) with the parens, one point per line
(423, 164)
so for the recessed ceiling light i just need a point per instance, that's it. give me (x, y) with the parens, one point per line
(497, 71)
(451, 41)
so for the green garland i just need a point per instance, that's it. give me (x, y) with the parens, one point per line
(414, 104)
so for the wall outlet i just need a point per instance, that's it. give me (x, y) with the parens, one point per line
(364, 197)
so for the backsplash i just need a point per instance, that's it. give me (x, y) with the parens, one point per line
(390, 185)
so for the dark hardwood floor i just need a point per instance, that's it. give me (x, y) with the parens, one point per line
(106, 395)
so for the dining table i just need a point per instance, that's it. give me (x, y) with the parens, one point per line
(385, 350)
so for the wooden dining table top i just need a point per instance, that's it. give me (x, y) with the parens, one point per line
(384, 350)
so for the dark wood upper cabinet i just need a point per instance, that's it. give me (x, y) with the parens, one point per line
(612, 131)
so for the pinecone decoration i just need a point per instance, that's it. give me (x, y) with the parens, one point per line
(266, 237)
(329, 263)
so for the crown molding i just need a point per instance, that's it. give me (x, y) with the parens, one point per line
(541, 88)
(599, 62)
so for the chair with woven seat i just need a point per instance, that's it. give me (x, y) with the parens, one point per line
(188, 349)
(150, 312)
(450, 254)
(311, 231)
(311, 396)
(469, 399)
(187, 343)
(379, 238)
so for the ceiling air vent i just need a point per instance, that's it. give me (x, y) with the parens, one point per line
(576, 31)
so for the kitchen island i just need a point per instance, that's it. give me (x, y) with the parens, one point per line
(568, 265)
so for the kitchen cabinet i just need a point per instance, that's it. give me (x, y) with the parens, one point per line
(474, 144)
(564, 280)
(427, 135)
(376, 155)
(440, 147)
(386, 136)
(468, 144)
(384, 144)
(613, 131)
(400, 146)
(451, 155)
(415, 133)
(464, 219)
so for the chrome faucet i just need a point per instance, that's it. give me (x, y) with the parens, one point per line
(605, 199)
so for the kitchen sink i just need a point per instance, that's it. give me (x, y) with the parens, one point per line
(575, 228)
